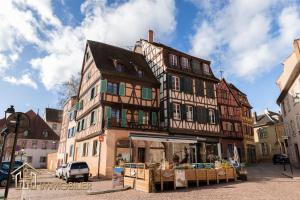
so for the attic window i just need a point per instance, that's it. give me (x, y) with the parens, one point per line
(26, 133)
(119, 67)
(206, 69)
(140, 73)
(45, 134)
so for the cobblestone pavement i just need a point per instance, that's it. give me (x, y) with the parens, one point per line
(265, 182)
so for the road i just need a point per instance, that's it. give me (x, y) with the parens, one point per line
(264, 182)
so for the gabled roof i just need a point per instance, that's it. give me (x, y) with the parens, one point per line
(268, 118)
(238, 94)
(105, 54)
(230, 89)
(53, 115)
(37, 127)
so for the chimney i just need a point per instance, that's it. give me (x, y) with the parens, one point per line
(150, 36)
(254, 117)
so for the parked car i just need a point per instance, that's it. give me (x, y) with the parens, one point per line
(77, 171)
(280, 159)
(3, 178)
(59, 171)
(5, 165)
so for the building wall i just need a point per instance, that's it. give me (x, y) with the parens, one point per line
(56, 127)
(52, 161)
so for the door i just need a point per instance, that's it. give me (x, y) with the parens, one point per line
(141, 155)
(297, 153)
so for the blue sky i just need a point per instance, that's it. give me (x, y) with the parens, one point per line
(42, 42)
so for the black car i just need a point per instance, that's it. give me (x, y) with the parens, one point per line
(280, 159)
(5, 165)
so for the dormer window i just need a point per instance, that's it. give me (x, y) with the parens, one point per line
(173, 60)
(184, 63)
(45, 134)
(140, 73)
(206, 69)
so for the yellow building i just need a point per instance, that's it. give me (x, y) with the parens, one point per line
(268, 132)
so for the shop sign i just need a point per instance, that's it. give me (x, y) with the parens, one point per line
(118, 177)
(180, 178)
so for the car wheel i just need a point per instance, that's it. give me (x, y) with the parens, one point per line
(67, 180)
(86, 178)
(3, 183)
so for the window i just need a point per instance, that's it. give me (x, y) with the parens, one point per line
(85, 149)
(206, 69)
(189, 113)
(87, 55)
(264, 149)
(196, 66)
(237, 127)
(29, 159)
(93, 118)
(80, 105)
(146, 93)
(224, 94)
(26, 133)
(210, 92)
(212, 117)
(112, 88)
(43, 159)
(230, 111)
(45, 134)
(88, 75)
(176, 111)
(54, 126)
(184, 63)
(93, 93)
(298, 122)
(119, 67)
(175, 83)
(115, 115)
(173, 60)
(71, 150)
(140, 73)
(95, 147)
(82, 124)
(34, 144)
(78, 126)
(44, 145)
(145, 118)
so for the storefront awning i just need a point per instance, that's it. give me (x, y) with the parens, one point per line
(167, 138)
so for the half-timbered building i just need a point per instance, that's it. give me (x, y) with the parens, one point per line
(187, 96)
(118, 96)
(230, 121)
(247, 124)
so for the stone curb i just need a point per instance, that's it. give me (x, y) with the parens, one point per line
(108, 191)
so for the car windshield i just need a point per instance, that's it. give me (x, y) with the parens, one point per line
(79, 165)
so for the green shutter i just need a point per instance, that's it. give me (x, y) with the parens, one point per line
(103, 86)
(195, 117)
(210, 90)
(183, 111)
(217, 114)
(124, 119)
(182, 84)
(154, 118)
(144, 93)
(149, 93)
(140, 117)
(107, 112)
(122, 89)
(169, 82)
(199, 87)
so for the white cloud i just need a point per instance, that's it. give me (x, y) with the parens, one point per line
(25, 80)
(119, 24)
(245, 34)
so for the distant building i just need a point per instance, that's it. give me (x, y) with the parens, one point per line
(289, 101)
(34, 144)
(268, 132)
(53, 118)
(66, 144)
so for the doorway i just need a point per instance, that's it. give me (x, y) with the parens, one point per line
(141, 155)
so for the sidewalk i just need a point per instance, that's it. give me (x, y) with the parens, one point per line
(105, 186)
(288, 173)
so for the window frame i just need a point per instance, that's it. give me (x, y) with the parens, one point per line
(176, 111)
(175, 83)
(212, 116)
(189, 113)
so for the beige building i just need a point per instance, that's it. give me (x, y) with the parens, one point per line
(268, 132)
(53, 117)
(289, 85)
(68, 121)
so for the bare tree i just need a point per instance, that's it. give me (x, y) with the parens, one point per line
(68, 89)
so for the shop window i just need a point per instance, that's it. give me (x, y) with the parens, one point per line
(176, 111)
